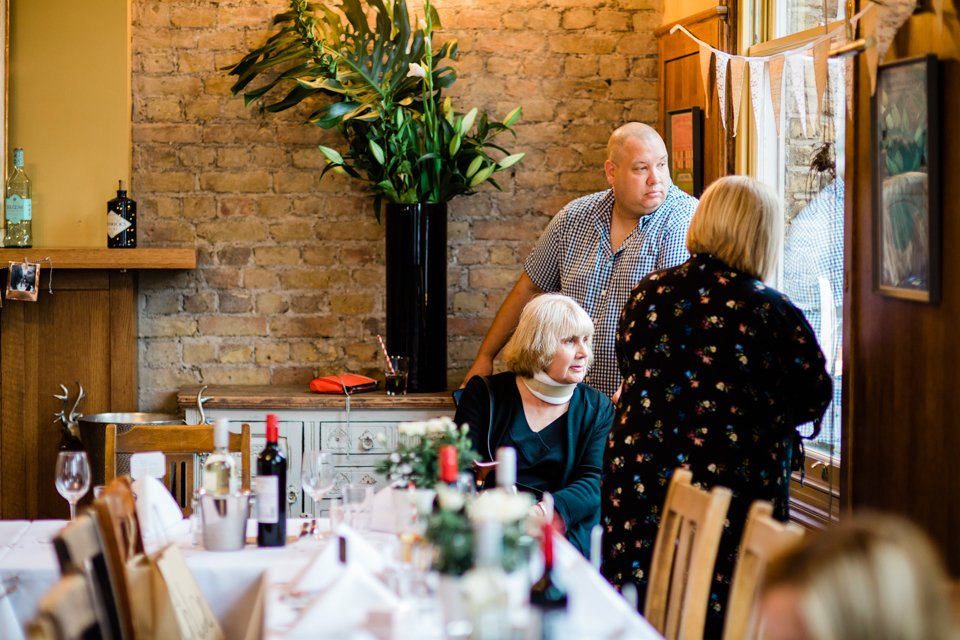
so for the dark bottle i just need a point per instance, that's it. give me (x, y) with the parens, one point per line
(121, 221)
(449, 468)
(271, 490)
(69, 441)
(547, 598)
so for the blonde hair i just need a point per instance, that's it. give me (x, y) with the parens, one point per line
(875, 576)
(739, 221)
(544, 322)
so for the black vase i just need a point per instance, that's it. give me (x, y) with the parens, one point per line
(416, 264)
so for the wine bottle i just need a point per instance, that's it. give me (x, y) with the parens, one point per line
(271, 490)
(449, 467)
(218, 469)
(121, 221)
(69, 441)
(507, 469)
(18, 206)
(548, 599)
(485, 585)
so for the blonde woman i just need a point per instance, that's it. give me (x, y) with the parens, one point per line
(557, 424)
(874, 576)
(719, 369)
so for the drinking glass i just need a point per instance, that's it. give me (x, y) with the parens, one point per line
(357, 504)
(318, 476)
(72, 477)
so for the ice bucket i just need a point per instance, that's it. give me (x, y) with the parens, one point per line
(224, 521)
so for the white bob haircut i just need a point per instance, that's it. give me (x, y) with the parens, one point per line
(544, 323)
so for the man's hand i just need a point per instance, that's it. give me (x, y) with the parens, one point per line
(482, 366)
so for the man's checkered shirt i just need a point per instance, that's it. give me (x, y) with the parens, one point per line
(574, 257)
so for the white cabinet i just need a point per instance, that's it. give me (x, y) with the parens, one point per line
(358, 438)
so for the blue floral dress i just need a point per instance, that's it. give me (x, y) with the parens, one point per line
(718, 371)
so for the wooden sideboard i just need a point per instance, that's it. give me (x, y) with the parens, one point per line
(85, 331)
(358, 438)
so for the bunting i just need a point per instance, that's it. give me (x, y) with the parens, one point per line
(878, 24)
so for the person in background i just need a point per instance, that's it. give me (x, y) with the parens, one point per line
(873, 576)
(719, 369)
(557, 424)
(600, 245)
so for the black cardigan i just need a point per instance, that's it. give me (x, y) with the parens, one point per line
(588, 420)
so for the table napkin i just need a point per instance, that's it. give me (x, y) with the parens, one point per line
(159, 514)
(345, 604)
(325, 567)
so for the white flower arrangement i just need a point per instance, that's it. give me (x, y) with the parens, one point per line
(414, 462)
(500, 506)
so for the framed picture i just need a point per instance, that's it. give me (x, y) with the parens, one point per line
(23, 281)
(685, 146)
(906, 180)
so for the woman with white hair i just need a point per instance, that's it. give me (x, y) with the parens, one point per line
(719, 369)
(541, 407)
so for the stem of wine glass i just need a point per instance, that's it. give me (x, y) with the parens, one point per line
(73, 509)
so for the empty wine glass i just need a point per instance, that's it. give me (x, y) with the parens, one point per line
(73, 477)
(318, 475)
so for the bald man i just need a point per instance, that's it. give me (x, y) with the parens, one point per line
(598, 247)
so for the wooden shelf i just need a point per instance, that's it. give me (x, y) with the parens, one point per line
(300, 397)
(103, 258)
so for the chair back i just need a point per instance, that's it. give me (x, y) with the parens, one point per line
(116, 510)
(763, 538)
(66, 612)
(83, 549)
(180, 443)
(683, 557)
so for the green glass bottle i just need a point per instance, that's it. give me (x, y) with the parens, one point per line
(18, 206)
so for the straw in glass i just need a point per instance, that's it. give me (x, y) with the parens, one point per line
(386, 355)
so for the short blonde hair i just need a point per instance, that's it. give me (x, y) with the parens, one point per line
(739, 221)
(547, 320)
(874, 576)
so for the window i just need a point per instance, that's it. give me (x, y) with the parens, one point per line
(804, 162)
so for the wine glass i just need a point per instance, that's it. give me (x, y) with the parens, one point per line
(73, 477)
(318, 475)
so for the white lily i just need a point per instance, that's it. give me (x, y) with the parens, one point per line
(416, 71)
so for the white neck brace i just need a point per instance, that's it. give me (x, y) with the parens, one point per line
(547, 389)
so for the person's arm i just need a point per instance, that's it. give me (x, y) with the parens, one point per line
(580, 499)
(503, 326)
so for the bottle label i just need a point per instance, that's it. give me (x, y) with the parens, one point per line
(18, 209)
(268, 499)
(116, 224)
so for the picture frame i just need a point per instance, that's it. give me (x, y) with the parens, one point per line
(23, 281)
(906, 180)
(684, 139)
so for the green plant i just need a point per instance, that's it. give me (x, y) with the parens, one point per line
(378, 81)
(415, 459)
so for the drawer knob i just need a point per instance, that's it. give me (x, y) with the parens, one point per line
(366, 441)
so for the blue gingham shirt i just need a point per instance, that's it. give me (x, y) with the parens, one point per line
(574, 257)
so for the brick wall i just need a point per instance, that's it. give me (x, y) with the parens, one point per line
(289, 281)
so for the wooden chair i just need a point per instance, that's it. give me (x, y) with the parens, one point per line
(83, 550)
(116, 511)
(180, 443)
(66, 612)
(683, 557)
(763, 538)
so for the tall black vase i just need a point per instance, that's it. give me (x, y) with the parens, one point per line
(416, 264)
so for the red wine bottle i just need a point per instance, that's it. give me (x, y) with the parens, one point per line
(547, 598)
(271, 490)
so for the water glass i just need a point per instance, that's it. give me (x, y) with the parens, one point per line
(318, 476)
(357, 505)
(72, 477)
(396, 376)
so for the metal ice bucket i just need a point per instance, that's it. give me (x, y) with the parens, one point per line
(224, 521)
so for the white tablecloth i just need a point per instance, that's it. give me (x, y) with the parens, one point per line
(237, 584)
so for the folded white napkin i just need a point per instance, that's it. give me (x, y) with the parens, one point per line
(345, 604)
(325, 567)
(159, 514)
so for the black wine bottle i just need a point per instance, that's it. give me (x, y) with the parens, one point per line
(122, 221)
(271, 490)
(547, 598)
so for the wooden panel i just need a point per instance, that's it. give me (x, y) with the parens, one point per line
(124, 369)
(900, 405)
(103, 258)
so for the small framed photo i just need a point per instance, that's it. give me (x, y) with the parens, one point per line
(906, 180)
(685, 146)
(23, 281)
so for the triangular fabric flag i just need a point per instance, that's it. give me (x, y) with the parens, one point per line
(722, 61)
(756, 89)
(776, 88)
(868, 29)
(821, 53)
(736, 88)
(848, 78)
(892, 15)
(796, 79)
(838, 109)
(705, 75)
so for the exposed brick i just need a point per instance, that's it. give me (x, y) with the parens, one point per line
(232, 326)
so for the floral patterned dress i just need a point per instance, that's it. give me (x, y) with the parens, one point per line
(718, 371)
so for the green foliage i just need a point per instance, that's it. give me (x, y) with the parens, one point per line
(450, 531)
(415, 460)
(375, 79)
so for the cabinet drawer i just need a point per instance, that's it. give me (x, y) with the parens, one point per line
(358, 437)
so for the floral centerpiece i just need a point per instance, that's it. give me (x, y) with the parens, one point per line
(374, 77)
(415, 461)
(450, 528)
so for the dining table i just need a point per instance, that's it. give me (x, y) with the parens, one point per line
(252, 592)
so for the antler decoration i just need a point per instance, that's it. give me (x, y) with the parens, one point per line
(200, 400)
(64, 398)
(74, 414)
